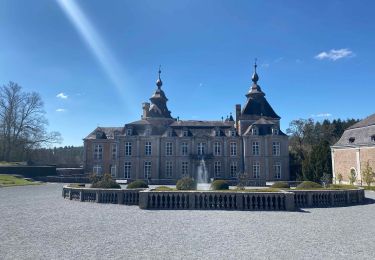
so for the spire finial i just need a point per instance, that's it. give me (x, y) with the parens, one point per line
(255, 76)
(159, 83)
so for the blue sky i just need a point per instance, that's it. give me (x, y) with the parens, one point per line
(316, 58)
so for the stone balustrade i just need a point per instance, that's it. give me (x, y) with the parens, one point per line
(218, 200)
(327, 198)
(113, 196)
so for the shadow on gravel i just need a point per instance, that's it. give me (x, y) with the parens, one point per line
(368, 201)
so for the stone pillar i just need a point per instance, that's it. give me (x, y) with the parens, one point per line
(81, 195)
(333, 165)
(309, 199)
(239, 201)
(70, 194)
(290, 204)
(97, 200)
(143, 198)
(120, 197)
(192, 200)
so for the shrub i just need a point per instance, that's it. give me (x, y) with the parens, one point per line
(105, 182)
(368, 174)
(137, 184)
(186, 183)
(309, 185)
(352, 176)
(280, 185)
(339, 178)
(220, 185)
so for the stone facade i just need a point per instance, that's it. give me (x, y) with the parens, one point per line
(354, 150)
(162, 149)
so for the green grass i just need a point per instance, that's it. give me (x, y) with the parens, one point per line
(164, 188)
(369, 188)
(341, 187)
(3, 163)
(10, 180)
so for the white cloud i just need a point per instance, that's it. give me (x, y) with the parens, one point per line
(60, 110)
(62, 95)
(322, 115)
(278, 60)
(265, 65)
(335, 54)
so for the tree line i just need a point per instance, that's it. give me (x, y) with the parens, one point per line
(309, 147)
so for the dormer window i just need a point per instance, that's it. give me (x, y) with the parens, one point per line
(116, 133)
(99, 135)
(373, 138)
(129, 132)
(169, 133)
(217, 132)
(275, 131)
(232, 133)
(254, 131)
(185, 133)
(351, 140)
(148, 132)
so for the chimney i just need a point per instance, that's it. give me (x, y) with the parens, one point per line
(146, 108)
(238, 113)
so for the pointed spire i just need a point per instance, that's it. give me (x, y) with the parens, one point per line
(255, 76)
(159, 83)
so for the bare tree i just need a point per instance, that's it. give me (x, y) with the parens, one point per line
(22, 122)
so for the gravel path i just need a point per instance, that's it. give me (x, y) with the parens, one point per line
(37, 223)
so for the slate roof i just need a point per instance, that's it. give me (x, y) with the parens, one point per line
(370, 120)
(257, 105)
(359, 134)
(202, 124)
(109, 132)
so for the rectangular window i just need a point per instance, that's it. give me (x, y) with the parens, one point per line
(217, 148)
(232, 133)
(168, 148)
(233, 149)
(168, 169)
(255, 148)
(256, 170)
(127, 170)
(276, 148)
(233, 169)
(128, 149)
(217, 168)
(114, 151)
(148, 148)
(201, 148)
(98, 151)
(217, 132)
(97, 169)
(185, 133)
(129, 131)
(113, 170)
(185, 169)
(184, 149)
(277, 170)
(147, 170)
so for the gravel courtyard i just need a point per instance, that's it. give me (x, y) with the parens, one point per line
(37, 223)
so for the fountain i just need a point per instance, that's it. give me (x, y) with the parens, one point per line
(202, 176)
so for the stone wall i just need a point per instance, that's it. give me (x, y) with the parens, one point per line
(215, 200)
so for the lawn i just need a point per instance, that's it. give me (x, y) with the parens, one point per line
(10, 180)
